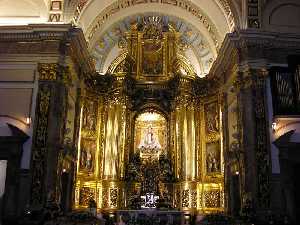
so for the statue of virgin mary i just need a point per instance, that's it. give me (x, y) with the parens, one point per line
(149, 141)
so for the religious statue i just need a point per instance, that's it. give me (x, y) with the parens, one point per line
(150, 141)
(86, 155)
(89, 118)
(89, 160)
(212, 118)
(212, 163)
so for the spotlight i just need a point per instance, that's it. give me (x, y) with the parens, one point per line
(28, 120)
(274, 126)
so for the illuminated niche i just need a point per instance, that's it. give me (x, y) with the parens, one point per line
(150, 135)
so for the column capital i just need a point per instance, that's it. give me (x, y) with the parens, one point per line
(48, 71)
(54, 72)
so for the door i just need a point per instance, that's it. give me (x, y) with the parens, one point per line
(3, 166)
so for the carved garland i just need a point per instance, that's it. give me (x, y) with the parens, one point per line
(182, 65)
(47, 71)
(262, 154)
(118, 64)
(39, 144)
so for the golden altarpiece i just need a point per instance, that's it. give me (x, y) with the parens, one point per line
(150, 130)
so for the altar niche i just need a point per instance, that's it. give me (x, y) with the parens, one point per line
(150, 135)
(150, 167)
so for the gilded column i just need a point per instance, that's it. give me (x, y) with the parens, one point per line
(114, 150)
(115, 138)
(186, 137)
(185, 145)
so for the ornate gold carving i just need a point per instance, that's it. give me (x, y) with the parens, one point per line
(193, 198)
(105, 198)
(212, 199)
(188, 128)
(39, 149)
(119, 64)
(79, 8)
(182, 66)
(48, 71)
(177, 197)
(86, 194)
(152, 53)
(229, 14)
(185, 198)
(113, 197)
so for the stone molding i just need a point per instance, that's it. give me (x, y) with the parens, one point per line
(62, 39)
(240, 47)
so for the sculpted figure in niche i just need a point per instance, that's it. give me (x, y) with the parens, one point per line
(89, 116)
(212, 163)
(150, 141)
(86, 156)
(89, 160)
(212, 118)
(213, 157)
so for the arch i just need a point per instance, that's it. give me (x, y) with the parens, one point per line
(213, 15)
(282, 16)
(198, 51)
(236, 11)
(151, 107)
(218, 10)
(212, 19)
(99, 27)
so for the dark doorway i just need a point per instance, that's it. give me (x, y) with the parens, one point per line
(289, 158)
(64, 190)
(3, 166)
(11, 148)
(297, 194)
(235, 199)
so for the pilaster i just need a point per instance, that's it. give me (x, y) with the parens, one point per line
(48, 136)
(252, 126)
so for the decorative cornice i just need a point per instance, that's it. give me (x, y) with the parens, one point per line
(34, 32)
(59, 39)
(241, 46)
